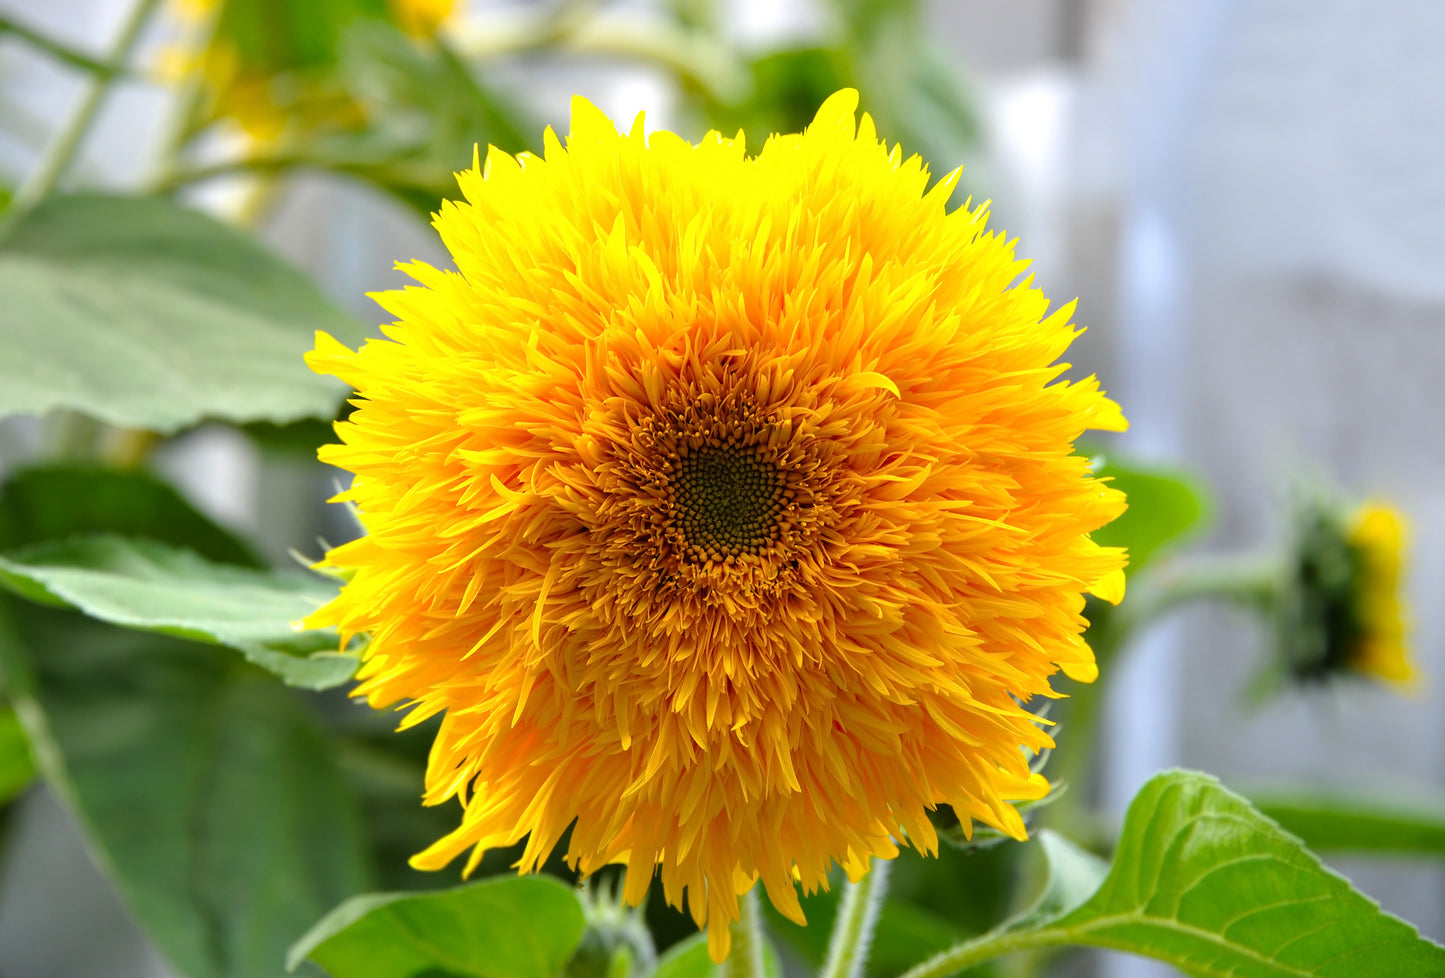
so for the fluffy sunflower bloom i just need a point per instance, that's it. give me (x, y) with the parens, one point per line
(1344, 612)
(726, 508)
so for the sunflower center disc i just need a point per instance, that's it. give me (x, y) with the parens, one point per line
(727, 499)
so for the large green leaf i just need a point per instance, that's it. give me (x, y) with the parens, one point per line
(1204, 882)
(143, 314)
(147, 585)
(1378, 825)
(517, 927)
(209, 794)
(59, 501)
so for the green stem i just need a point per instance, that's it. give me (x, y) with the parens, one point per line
(177, 179)
(984, 948)
(180, 126)
(1250, 580)
(60, 52)
(692, 55)
(62, 149)
(745, 960)
(853, 930)
(1244, 579)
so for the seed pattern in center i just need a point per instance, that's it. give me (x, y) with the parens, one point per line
(728, 499)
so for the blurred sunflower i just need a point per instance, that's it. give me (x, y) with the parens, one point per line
(1343, 611)
(264, 63)
(725, 506)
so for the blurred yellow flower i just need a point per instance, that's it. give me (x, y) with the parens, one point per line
(726, 507)
(260, 63)
(1377, 536)
(1342, 611)
(421, 18)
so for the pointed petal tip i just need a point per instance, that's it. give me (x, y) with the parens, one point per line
(840, 107)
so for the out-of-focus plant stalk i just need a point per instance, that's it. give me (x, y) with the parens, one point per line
(692, 55)
(745, 960)
(179, 128)
(983, 948)
(57, 50)
(1251, 580)
(853, 929)
(62, 148)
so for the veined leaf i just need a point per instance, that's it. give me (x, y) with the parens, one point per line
(514, 927)
(1205, 882)
(146, 585)
(1201, 880)
(208, 791)
(143, 314)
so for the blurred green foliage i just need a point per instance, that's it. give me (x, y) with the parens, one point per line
(17, 767)
(1166, 506)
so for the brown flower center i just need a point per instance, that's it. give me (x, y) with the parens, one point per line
(728, 499)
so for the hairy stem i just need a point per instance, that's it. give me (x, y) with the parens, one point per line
(745, 960)
(857, 916)
(983, 948)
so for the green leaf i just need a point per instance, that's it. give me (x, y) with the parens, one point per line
(427, 112)
(787, 87)
(1375, 825)
(1204, 882)
(17, 768)
(54, 502)
(686, 959)
(907, 80)
(517, 927)
(689, 959)
(147, 585)
(1074, 875)
(143, 314)
(298, 438)
(1164, 505)
(207, 790)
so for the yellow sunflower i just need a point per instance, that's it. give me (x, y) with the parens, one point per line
(726, 506)
(1343, 612)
